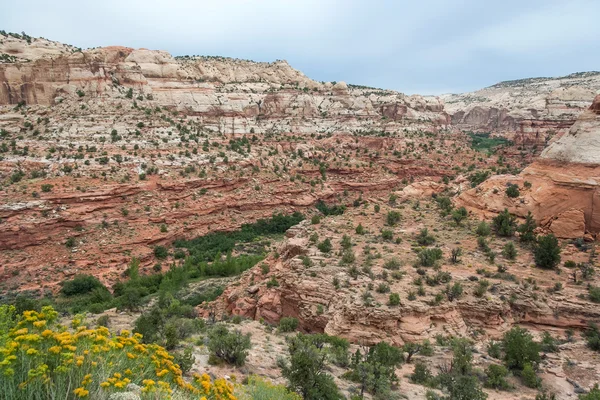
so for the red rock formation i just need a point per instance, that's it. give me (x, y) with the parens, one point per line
(564, 192)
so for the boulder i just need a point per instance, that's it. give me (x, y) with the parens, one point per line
(569, 224)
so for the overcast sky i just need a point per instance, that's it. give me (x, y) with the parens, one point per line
(417, 46)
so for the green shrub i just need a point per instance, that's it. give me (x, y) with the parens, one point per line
(504, 224)
(325, 246)
(393, 217)
(594, 293)
(483, 229)
(306, 370)
(229, 346)
(288, 324)
(512, 191)
(459, 215)
(547, 252)
(360, 230)
(519, 348)
(428, 257)
(161, 252)
(526, 229)
(592, 336)
(424, 238)
(496, 377)
(387, 234)
(394, 299)
(421, 374)
(330, 210)
(529, 377)
(509, 251)
(81, 284)
(259, 389)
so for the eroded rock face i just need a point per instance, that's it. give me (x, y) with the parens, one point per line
(528, 111)
(321, 306)
(582, 144)
(233, 95)
(562, 189)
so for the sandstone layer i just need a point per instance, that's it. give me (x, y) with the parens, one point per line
(561, 189)
(528, 111)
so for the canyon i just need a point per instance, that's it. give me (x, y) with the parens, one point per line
(107, 154)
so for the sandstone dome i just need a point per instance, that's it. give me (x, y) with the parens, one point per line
(582, 143)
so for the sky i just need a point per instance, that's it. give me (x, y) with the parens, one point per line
(417, 46)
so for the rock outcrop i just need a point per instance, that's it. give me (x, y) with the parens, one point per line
(561, 189)
(322, 302)
(237, 96)
(528, 111)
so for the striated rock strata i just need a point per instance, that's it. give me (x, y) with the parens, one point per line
(561, 189)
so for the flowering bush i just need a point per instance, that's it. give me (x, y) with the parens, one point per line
(40, 359)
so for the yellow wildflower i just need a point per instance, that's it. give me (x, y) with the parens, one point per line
(81, 392)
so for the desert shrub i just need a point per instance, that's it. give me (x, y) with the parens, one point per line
(504, 223)
(465, 387)
(496, 377)
(421, 374)
(387, 234)
(228, 346)
(81, 284)
(49, 361)
(383, 288)
(428, 257)
(594, 293)
(483, 229)
(258, 388)
(509, 251)
(548, 343)
(494, 349)
(512, 191)
(272, 282)
(526, 229)
(392, 218)
(444, 203)
(185, 359)
(360, 230)
(325, 246)
(455, 255)
(454, 292)
(519, 348)
(592, 336)
(348, 257)
(547, 252)
(161, 252)
(346, 242)
(374, 370)
(330, 210)
(459, 215)
(288, 324)
(424, 238)
(306, 369)
(529, 377)
(315, 219)
(392, 264)
(394, 299)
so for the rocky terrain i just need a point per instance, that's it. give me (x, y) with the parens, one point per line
(560, 188)
(528, 111)
(114, 154)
